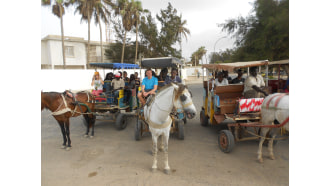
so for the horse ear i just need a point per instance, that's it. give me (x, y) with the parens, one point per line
(176, 87)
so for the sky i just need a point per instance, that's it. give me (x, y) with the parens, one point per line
(202, 19)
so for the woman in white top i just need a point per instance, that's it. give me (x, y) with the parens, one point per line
(220, 81)
(97, 83)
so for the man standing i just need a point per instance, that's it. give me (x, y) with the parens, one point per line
(149, 86)
(117, 85)
(253, 85)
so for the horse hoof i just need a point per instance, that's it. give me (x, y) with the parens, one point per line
(261, 160)
(167, 171)
(272, 157)
(91, 137)
(86, 136)
(63, 147)
(153, 170)
(68, 148)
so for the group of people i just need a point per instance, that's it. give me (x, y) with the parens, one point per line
(253, 84)
(119, 81)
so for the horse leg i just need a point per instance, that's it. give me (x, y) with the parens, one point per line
(165, 141)
(271, 141)
(161, 144)
(92, 121)
(262, 139)
(87, 127)
(63, 134)
(67, 130)
(154, 152)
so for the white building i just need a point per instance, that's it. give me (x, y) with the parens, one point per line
(75, 52)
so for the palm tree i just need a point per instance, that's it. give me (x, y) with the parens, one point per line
(102, 11)
(137, 10)
(182, 31)
(84, 7)
(58, 10)
(124, 8)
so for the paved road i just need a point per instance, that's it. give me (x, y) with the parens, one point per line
(113, 157)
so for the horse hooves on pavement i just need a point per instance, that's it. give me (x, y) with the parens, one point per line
(86, 136)
(261, 160)
(153, 170)
(167, 171)
(63, 147)
(91, 137)
(68, 148)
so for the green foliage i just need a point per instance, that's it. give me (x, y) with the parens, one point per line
(197, 55)
(264, 35)
(157, 43)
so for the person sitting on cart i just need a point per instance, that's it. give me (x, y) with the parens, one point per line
(107, 82)
(128, 88)
(97, 83)
(239, 78)
(226, 76)
(117, 85)
(173, 78)
(253, 85)
(149, 86)
(162, 77)
(220, 81)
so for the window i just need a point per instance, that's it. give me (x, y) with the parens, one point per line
(69, 51)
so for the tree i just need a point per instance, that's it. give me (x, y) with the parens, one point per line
(264, 35)
(137, 11)
(102, 12)
(124, 8)
(58, 10)
(182, 31)
(197, 55)
(167, 37)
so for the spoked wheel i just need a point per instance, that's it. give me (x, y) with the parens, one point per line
(226, 141)
(203, 118)
(138, 130)
(121, 121)
(180, 125)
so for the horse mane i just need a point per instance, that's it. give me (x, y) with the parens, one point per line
(182, 87)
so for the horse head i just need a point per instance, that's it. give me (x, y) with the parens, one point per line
(183, 100)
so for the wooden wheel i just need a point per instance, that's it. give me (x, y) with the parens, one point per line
(226, 141)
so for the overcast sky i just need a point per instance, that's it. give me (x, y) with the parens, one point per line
(202, 18)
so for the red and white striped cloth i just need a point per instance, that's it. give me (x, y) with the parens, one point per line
(250, 105)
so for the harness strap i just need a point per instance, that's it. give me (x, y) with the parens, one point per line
(279, 97)
(62, 111)
(159, 126)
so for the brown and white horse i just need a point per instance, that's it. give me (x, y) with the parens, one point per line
(63, 107)
(275, 107)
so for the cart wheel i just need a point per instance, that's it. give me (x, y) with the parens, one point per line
(203, 119)
(121, 121)
(138, 128)
(180, 125)
(226, 141)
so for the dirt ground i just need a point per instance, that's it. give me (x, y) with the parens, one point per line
(113, 157)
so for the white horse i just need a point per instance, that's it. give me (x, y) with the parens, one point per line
(157, 115)
(275, 107)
